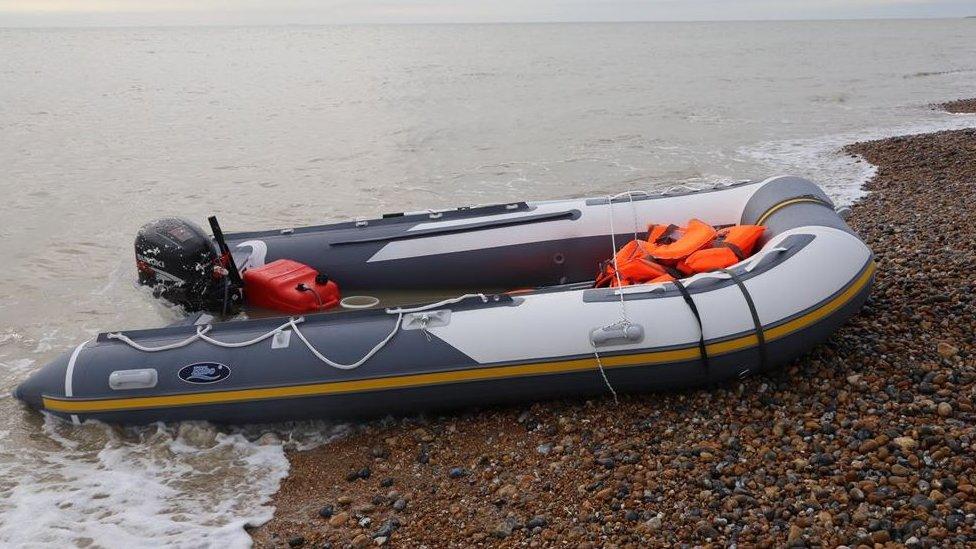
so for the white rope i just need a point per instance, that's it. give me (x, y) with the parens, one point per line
(292, 323)
(125, 339)
(633, 207)
(238, 344)
(429, 306)
(633, 210)
(358, 363)
(624, 319)
(613, 255)
(399, 311)
(603, 374)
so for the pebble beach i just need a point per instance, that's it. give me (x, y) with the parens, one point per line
(867, 441)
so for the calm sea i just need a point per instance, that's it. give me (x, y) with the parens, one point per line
(104, 129)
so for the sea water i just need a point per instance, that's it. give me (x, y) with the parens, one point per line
(102, 130)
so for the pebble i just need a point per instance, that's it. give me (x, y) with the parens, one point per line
(507, 491)
(326, 511)
(536, 522)
(654, 523)
(907, 444)
(457, 472)
(296, 541)
(707, 531)
(504, 528)
(400, 504)
(796, 534)
(944, 409)
(339, 519)
(363, 473)
(387, 528)
(947, 350)
(922, 502)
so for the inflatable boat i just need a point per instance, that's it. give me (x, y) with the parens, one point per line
(549, 334)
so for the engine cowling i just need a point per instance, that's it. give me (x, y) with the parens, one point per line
(184, 266)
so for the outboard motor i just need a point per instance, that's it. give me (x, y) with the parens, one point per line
(186, 267)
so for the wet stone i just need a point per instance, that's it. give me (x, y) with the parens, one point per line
(339, 519)
(922, 502)
(504, 528)
(363, 473)
(457, 472)
(653, 524)
(707, 531)
(944, 409)
(387, 528)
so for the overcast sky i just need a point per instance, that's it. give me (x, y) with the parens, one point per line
(249, 12)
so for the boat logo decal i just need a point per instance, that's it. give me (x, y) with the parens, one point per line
(204, 372)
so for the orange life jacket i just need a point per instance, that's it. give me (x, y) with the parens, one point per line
(669, 250)
(634, 265)
(672, 243)
(731, 245)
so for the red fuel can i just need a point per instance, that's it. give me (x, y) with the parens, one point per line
(290, 287)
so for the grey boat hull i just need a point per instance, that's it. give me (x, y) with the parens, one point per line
(811, 275)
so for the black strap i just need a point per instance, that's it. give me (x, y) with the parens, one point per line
(760, 334)
(739, 254)
(694, 311)
(666, 237)
(675, 273)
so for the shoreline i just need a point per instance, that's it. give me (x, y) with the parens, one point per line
(868, 439)
(958, 106)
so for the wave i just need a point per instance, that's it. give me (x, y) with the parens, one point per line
(926, 74)
(821, 159)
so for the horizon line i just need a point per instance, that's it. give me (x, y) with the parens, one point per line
(476, 23)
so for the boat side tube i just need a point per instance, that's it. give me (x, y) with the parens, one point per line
(810, 275)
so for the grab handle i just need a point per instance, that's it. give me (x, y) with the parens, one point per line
(617, 334)
(757, 259)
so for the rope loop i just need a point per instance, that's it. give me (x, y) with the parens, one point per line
(292, 324)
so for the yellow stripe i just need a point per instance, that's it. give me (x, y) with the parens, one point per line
(785, 203)
(79, 406)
